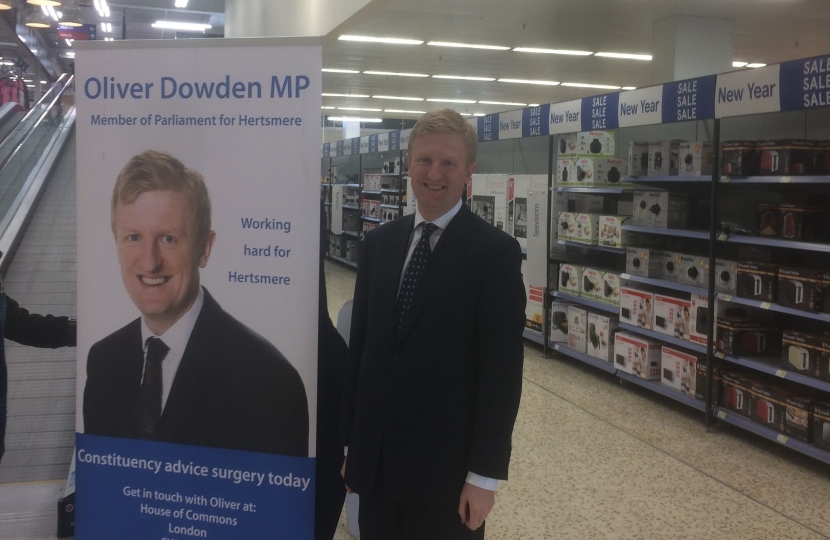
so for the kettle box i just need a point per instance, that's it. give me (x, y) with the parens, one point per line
(595, 144)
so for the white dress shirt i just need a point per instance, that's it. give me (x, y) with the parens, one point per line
(176, 338)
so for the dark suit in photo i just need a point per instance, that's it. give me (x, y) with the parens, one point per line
(425, 405)
(233, 389)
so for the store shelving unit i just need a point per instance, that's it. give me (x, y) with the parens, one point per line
(774, 242)
(699, 235)
(582, 357)
(592, 247)
(824, 317)
(594, 304)
(663, 390)
(663, 283)
(670, 340)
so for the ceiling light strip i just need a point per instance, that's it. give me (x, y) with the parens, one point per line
(335, 70)
(461, 78)
(588, 85)
(529, 81)
(345, 95)
(468, 45)
(552, 51)
(625, 56)
(403, 98)
(354, 119)
(450, 100)
(395, 74)
(387, 40)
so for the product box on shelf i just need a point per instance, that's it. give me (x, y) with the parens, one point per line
(566, 172)
(726, 276)
(678, 370)
(351, 221)
(567, 145)
(803, 222)
(518, 191)
(368, 226)
(578, 329)
(768, 218)
(799, 288)
(599, 171)
(392, 166)
(559, 322)
(737, 393)
(767, 405)
(663, 157)
(757, 281)
(489, 200)
(801, 352)
(371, 208)
(638, 158)
(739, 158)
(595, 143)
(570, 276)
(694, 270)
(591, 283)
(601, 329)
(825, 291)
(667, 210)
(823, 157)
(587, 229)
(696, 159)
(351, 250)
(798, 418)
(786, 157)
(388, 214)
(699, 329)
(610, 291)
(637, 356)
(672, 316)
(636, 307)
(610, 230)
(700, 384)
(371, 182)
(391, 199)
(567, 226)
(669, 264)
(821, 425)
(641, 262)
(739, 336)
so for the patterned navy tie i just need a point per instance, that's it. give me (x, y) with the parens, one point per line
(414, 271)
(151, 388)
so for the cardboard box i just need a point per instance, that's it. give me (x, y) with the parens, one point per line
(637, 356)
(566, 226)
(801, 352)
(823, 157)
(587, 229)
(823, 371)
(699, 331)
(610, 230)
(798, 418)
(559, 322)
(767, 406)
(737, 393)
(641, 262)
(670, 265)
(799, 288)
(371, 208)
(578, 329)
(696, 159)
(700, 384)
(566, 172)
(757, 281)
(389, 214)
(489, 200)
(672, 316)
(591, 283)
(678, 370)
(667, 210)
(518, 188)
(601, 330)
(636, 307)
(599, 171)
(371, 182)
(726, 276)
(640, 213)
(768, 219)
(694, 270)
(567, 145)
(825, 291)
(596, 143)
(739, 158)
(610, 291)
(638, 158)
(351, 250)
(821, 425)
(570, 276)
(663, 158)
(786, 157)
(808, 223)
(740, 336)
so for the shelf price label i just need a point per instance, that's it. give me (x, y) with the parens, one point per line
(560, 242)
(766, 305)
(782, 439)
(720, 355)
(722, 415)
(625, 276)
(725, 297)
(724, 179)
(781, 373)
(722, 237)
(786, 179)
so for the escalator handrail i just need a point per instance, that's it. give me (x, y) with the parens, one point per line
(43, 116)
(36, 106)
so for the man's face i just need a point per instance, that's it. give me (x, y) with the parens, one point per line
(160, 255)
(438, 170)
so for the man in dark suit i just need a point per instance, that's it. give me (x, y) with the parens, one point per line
(435, 355)
(186, 371)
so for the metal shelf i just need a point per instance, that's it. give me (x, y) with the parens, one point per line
(825, 317)
(326, 204)
(350, 207)
(648, 179)
(666, 284)
(744, 423)
(702, 235)
(372, 219)
(596, 190)
(536, 338)
(766, 365)
(670, 340)
(371, 192)
(582, 357)
(395, 206)
(353, 185)
(590, 302)
(662, 389)
(775, 180)
(342, 260)
(524, 252)
(772, 242)
(595, 247)
(389, 190)
(395, 175)
(352, 233)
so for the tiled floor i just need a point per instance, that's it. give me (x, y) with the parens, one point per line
(595, 459)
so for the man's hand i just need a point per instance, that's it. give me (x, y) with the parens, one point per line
(475, 505)
(343, 474)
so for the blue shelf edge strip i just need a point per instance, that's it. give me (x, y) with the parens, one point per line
(597, 189)
(764, 367)
(775, 180)
(590, 302)
(702, 235)
(773, 242)
(536, 338)
(825, 317)
(595, 247)
(746, 424)
(582, 357)
(647, 179)
(656, 386)
(666, 284)
(669, 340)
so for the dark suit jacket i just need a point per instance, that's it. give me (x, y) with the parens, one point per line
(439, 399)
(233, 389)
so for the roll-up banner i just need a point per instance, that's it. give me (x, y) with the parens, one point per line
(198, 262)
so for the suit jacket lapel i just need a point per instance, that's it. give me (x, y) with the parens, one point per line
(454, 240)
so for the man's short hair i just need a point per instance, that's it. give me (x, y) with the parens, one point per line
(447, 121)
(159, 171)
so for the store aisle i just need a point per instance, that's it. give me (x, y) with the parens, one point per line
(593, 459)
